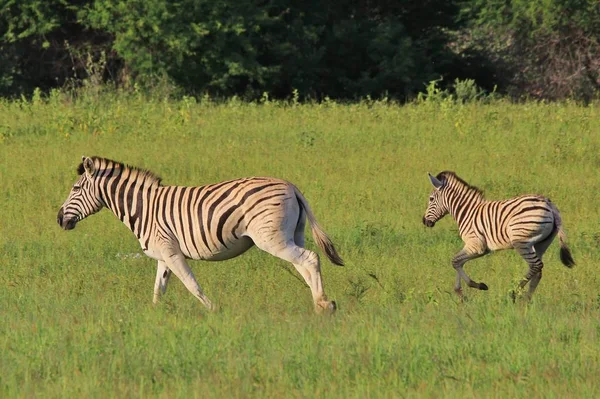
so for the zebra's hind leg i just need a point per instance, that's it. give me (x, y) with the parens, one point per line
(458, 287)
(176, 262)
(314, 269)
(306, 263)
(162, 278)
(534, 274)
(299, 240)
(299, 230)
(535, 262)
(465, 255)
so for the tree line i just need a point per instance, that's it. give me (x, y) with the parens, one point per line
(343, 49)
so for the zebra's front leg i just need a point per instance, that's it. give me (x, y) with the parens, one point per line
(162, 278)
(465, 255)
(176, 263)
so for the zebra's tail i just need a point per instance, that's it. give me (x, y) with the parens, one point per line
(565, 253)
(320, 237)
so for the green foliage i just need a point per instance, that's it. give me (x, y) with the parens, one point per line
(372, 58)
(45, 44)
(76, 310)
(342, 50)
(23, 19)
(462, 91)
(200, 44)
(542, 48)
(346, 49)
(537, 17)
(226, 48)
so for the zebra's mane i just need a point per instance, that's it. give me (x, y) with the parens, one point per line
(448, 176)
(103, 163)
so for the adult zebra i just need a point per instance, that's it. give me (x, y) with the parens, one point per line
(212, 222)
(527, 223)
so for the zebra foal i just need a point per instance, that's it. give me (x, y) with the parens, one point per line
(527, 223)
(213, 222)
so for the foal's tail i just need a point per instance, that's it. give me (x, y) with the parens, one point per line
(565, 253)
(320, 237)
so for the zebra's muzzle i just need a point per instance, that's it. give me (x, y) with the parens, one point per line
(428, 223)
(66, 224)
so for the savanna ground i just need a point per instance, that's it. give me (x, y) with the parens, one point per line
(75, 307)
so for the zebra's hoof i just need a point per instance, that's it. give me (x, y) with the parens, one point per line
(483, 287)
(326, 307)
(212, 308)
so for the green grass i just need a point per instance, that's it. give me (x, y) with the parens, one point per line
(75, 307)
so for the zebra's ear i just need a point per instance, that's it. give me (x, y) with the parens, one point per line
(436, 183)
(88, 165)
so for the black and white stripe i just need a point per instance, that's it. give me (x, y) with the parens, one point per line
(527, 223)
(212, 222)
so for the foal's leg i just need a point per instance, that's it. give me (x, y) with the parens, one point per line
(162, 278)
(535, 263)
(540, 249)
(466, 254)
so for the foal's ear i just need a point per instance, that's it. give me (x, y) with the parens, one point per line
(87, 164)
(436, 183)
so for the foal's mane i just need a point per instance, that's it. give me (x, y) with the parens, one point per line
(449, 176)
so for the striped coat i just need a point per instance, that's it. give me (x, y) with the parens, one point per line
(212, 222)
(527, 223)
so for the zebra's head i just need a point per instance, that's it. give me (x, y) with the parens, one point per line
(83, 200)
(437, 208)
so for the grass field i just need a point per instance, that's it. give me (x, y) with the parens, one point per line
(76, 317)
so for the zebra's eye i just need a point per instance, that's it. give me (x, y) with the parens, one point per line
(76, 188)
(431, 199)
